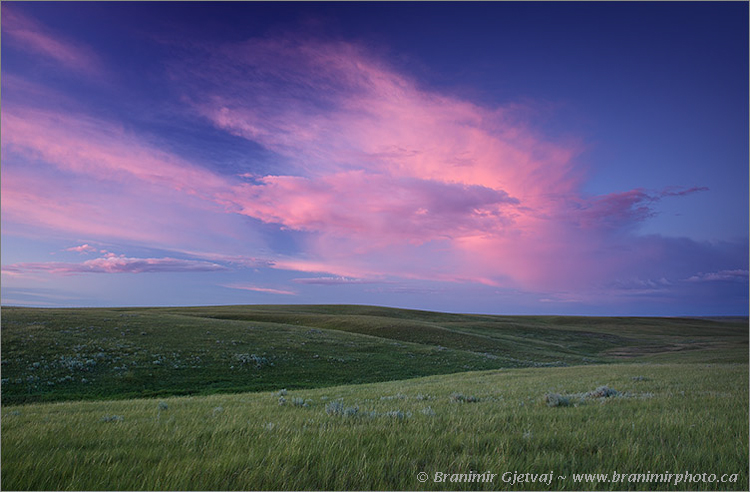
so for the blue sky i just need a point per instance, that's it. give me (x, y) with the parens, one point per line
(520, 158)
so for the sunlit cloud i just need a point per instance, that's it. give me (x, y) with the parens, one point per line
(408, 181)
(384, 209)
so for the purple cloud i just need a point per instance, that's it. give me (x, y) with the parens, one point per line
(679, 191)
(622, 209)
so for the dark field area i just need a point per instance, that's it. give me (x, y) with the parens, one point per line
(119, 353)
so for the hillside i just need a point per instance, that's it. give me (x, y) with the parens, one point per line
(118, 353)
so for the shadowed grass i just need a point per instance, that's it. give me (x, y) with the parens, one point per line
(72, 354)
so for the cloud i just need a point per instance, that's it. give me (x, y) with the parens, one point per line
(721, 276)
(102, 150)
(331, 281)
(641, 284)
(679, 191)
(620, 210)
(260, 289)
(390, 178)
(377, 177)
(615, 210)
(88, 177)
(385, 209)
(112, 263)
(84, 248)
(33, 37)
(240, 260)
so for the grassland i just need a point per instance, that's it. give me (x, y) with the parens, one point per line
(372, 396)
(73, 354)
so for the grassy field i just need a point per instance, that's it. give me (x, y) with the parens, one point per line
(73, 354)
(348, 397)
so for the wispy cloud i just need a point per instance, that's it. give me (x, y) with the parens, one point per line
(81, 175)
(721, 276)
(32, 36)
(102, 150)
(112, 263)
(619, 210)
(266, 290)
(679, 191)
(84, 248)
(239, 260)
(332, 281)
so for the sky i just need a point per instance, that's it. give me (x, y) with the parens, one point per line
(493, 157)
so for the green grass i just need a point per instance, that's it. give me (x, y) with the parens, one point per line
(669, 417)
(189, 399)
(73, 354)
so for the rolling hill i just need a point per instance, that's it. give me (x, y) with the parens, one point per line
(117, 353)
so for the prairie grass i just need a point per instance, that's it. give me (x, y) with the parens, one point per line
(120, 353)
(665, 417)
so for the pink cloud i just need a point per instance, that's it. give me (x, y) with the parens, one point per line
(74, 174)
(391, 178)
(383, 208)
(99, 149)
(384, 177)
(32, 36)
(112, 263)
(337, 266)
(37, 200)
(335, 109)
